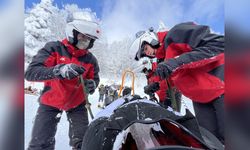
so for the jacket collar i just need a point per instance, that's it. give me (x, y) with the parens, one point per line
(74, 51)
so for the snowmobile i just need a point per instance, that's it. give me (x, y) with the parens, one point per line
(132, 123)
(135, 123)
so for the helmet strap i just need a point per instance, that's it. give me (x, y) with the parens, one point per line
(75, 33)
(71, 40)
(91, 44)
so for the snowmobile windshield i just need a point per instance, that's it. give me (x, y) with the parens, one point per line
(164, 133)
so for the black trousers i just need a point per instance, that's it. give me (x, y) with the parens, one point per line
(211, 116)
(101, 97)
(45, 126)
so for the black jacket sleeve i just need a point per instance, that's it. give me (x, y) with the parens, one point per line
(93, 73)
(38, 69)
(203, 44)
(96, 72)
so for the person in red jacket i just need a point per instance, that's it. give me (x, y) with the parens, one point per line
(194, 64)
(157, 86)
(59, 65)
(151, 60)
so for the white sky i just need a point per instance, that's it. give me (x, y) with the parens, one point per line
(122, 18)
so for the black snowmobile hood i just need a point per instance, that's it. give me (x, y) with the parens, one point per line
(103, 131)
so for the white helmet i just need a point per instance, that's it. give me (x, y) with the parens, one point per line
(82, 24)
(143, 37)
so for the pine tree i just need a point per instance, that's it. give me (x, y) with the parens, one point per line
(42, 25)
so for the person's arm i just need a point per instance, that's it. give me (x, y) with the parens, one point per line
(42, 65)
(92, 78)
(197, 41)
(94, 71)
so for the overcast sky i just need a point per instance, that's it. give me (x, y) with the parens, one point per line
(122, 18)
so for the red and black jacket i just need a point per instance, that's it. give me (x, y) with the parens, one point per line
(62, 94)
(197, 58)
(151, 77)
(162, 92)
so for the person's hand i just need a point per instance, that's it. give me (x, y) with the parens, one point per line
(151, 88)
(90, 85)
(163, 70)
(68, 71)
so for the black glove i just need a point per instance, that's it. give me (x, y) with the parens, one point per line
(126, 91)
(144, 70)
(163, 70)
(90, 85)
(68, 71)
(167, 102)
(151, 88)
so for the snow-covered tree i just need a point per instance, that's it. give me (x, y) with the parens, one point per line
(46, 22)
(37, 26)
(117, 58)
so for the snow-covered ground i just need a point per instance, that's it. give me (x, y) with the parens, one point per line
(31, 105)
(62, 140)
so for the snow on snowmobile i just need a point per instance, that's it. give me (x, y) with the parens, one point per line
(135, 123)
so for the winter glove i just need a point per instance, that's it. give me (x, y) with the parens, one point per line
(167, 102)
(144, 70)
(151, 88)
(68, 71)
(163, 70)
(90, 85)
(126, 91)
